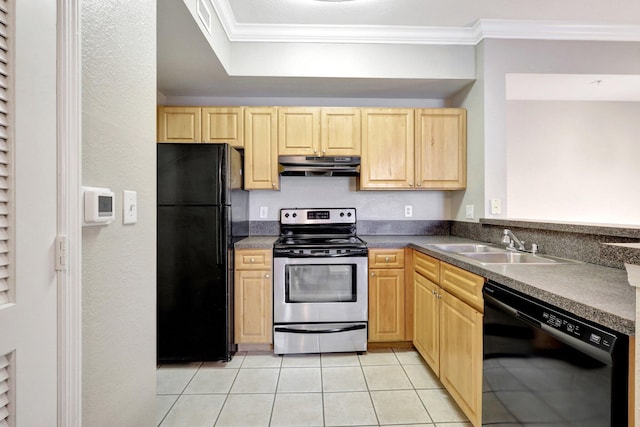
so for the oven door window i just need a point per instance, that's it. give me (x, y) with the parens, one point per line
(320, 283)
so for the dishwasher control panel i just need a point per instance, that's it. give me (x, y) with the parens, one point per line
(541, 315)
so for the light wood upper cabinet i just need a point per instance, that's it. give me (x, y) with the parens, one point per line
(179, 124)
(223, 124)
(318, 131)
(253, 297)
(441, 148)
(340, 133)
(387, 149)
(261, 148)
(431, 156)
(298, 131)
(201, 124)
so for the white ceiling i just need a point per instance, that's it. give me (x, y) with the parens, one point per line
(187, 65)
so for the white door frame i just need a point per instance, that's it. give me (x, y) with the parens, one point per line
(69, 136)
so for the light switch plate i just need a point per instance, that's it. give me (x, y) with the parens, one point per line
(129, 207)
(496, 206)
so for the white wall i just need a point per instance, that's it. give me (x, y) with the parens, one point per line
(574, 161)
(534, 56)
(473, 100)
(118, 261)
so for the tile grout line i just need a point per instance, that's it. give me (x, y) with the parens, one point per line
(275, 392)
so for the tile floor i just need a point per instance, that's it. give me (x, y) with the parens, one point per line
(379, 388)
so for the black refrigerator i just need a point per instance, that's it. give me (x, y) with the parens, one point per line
(202, 212)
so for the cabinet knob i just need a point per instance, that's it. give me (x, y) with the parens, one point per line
(411, 184)
(373, 274)
(315, 150)
(273, 184)
(252, 260)
(439, 296)
(386, 259)
(266, 276)
(324, 151)
(433, 292)
(419, 184)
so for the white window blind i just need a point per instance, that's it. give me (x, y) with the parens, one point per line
(5, 142)
(5, 392)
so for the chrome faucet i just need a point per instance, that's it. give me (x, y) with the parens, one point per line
(512, 241)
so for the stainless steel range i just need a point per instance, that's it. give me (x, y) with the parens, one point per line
(320, 298)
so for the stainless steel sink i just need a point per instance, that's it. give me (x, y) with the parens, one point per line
(513, 258)
(467, 247)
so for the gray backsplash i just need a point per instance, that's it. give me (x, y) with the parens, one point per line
(404, 228)
(368, 227)
(579, 242)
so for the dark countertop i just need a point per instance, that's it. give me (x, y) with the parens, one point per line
(597, 293)
(256, 242)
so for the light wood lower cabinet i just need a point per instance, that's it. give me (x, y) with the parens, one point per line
(448, 329)
(253, 319)
(386, 295)
(426, 331)
(461, 354)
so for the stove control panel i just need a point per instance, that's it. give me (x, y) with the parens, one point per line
(318, 216)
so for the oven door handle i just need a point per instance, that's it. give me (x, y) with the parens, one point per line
(319, 331)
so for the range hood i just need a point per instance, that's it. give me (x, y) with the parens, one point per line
(319, 166)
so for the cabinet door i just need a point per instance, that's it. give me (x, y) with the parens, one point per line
(179, 124)
(253, 307)
(461, 355)
(260, 149)
(298, 131)
(441, 148)
(386, 305)
(426, 328)
(223, 124)
(340, 133)
(387, 149)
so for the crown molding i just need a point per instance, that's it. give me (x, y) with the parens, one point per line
(378, 34)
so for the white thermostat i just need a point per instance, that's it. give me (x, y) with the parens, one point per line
(99, 206)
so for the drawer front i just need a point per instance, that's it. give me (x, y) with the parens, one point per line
(253, 259)
(463, 284)
(386, 258)
(426, 266)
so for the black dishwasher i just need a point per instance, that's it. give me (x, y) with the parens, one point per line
(544, 366)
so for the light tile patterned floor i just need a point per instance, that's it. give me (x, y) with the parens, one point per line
(379, 388)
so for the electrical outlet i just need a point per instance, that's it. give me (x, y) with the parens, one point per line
(469, 211)
(264, 211)
(496, 206)
(408, 211)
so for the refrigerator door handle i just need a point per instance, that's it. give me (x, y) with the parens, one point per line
(219, 240)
